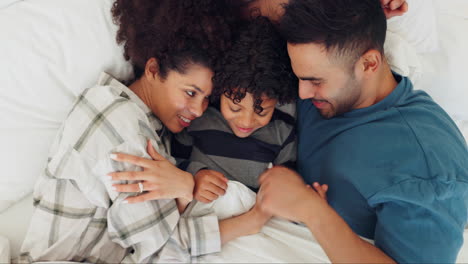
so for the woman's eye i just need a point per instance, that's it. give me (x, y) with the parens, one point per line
(235, 110)
(190, 93)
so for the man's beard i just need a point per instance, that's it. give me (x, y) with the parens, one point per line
(344, 103)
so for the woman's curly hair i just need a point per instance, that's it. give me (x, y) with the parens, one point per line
(257, 63)
(175, 32)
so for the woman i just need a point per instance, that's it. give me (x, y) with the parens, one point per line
(273, 9)
(79, 216)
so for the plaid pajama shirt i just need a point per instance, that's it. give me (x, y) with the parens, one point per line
(78, 217)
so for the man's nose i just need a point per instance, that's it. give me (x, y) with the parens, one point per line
(306, 90)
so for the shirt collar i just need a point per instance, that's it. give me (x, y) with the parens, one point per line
(107, 79)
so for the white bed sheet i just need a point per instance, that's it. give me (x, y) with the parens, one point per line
(279, 242)
(4, 250)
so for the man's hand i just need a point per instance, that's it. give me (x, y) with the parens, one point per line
(283, 193)
(209, 185)
(394, 8)
(320, 189)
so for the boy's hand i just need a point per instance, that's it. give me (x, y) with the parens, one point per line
(209, 185)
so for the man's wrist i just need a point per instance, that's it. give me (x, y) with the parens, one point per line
(314, 204)
(316, 217)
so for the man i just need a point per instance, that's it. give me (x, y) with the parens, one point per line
(395, 163)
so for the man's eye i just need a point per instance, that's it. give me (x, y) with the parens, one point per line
(316, 83)
(190, 93)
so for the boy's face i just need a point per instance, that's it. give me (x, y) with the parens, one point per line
(242, 118)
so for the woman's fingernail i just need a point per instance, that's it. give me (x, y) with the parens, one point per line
(109, 177)
(114, 188)
(113, 156)
(125, 202)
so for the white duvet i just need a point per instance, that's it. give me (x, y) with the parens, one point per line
(279, 241)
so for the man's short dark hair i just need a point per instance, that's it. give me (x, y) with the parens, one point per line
(347, 28)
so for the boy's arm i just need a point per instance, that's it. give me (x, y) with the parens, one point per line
(287, 154)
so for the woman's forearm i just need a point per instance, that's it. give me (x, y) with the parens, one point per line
(246, 224)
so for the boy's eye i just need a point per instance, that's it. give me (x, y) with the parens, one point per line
(190, 93)
(234, 110)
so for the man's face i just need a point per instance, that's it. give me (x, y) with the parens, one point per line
(331, 86)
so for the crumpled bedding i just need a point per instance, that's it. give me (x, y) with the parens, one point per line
(279, 240)
(4, 250)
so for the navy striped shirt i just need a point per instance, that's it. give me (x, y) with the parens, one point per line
(209, 143)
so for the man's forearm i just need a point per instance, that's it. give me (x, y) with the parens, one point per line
(339, 241)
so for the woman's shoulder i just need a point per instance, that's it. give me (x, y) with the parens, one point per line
(105, 110)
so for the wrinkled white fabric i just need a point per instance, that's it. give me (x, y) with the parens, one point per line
(4, 250)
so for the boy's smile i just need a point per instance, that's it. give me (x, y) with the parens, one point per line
(242, 118)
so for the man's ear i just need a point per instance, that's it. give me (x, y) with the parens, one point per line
(151, 69)
(370, 62)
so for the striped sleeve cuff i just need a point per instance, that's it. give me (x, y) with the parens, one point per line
(204, 235)
(194, 166)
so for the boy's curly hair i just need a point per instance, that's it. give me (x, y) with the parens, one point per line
(175, 32)
(257, 63)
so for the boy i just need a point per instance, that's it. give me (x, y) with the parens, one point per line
(251, 125)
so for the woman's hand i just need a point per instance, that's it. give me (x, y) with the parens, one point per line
(159, 179)
(209, 185)
(394, 7)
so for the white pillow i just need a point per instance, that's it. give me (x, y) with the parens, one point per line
(401, 56)
(417, 26)
(6, 3)
(452, 7)
(4, 250)
(444, 72)
(52, 50)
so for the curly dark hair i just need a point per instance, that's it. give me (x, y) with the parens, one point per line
(175, 32)
(257, 63)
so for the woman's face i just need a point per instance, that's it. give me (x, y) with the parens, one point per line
(180, 98)
(242, 118)
(273, 9)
